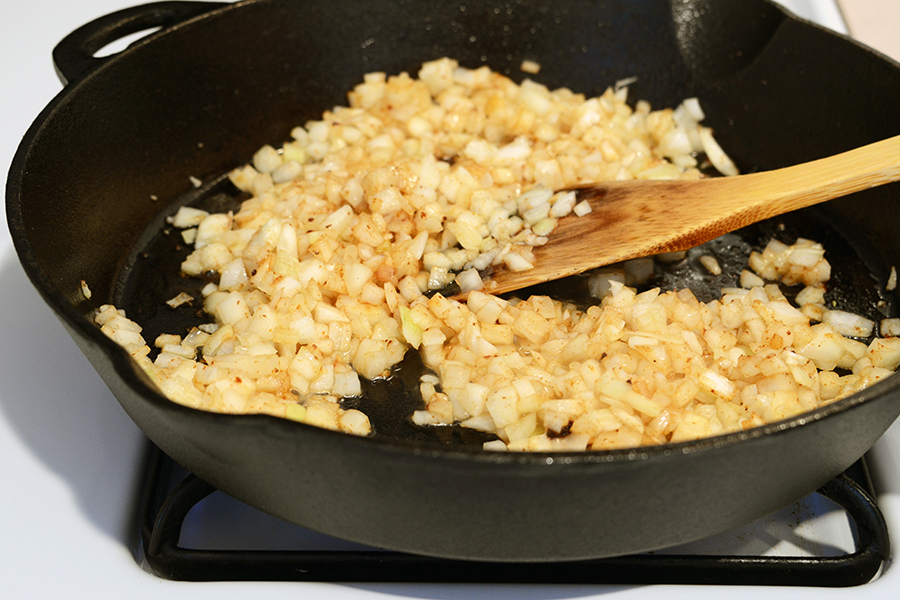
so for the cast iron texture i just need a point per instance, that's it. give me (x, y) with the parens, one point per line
(197, 98)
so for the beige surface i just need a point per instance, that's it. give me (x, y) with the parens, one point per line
(875, 23)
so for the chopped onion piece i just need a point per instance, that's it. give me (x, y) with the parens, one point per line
(469, 280)
(233, 275)
(266, 159)
(516, 262)
(848, 324)
(187, 216)
(711, 264)
(530, 66)
(716, 155)
(182, 298)
(582, 208)
(692, 105)
(751, 280)
(600, 283)
(890, 327)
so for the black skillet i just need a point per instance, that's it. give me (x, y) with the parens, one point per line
(117, 149)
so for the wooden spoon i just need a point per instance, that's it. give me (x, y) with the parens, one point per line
(630, 219)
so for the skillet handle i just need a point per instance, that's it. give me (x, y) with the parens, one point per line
(74, 57)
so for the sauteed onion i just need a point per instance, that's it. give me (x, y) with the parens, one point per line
(327, 275)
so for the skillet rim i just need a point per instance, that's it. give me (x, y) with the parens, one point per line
(133, 377)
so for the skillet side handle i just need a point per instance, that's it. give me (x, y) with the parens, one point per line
(74, 57)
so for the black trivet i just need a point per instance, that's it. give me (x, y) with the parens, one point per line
(165, 509)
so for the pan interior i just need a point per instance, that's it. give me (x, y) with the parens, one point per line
(151, 276)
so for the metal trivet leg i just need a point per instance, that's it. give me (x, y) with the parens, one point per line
(165, 511)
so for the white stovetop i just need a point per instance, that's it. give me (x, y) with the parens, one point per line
(68, 452)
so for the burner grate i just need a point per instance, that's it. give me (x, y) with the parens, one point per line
(165, 509)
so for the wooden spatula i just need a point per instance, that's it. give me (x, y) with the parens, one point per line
(639, 218)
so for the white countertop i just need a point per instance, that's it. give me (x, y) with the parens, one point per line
(874, 23)
(67, 450)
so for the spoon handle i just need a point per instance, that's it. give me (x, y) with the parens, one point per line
(775, 192)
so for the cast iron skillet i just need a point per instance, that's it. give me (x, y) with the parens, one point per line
(117, 148)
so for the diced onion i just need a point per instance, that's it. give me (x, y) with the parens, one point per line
(334, 268)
